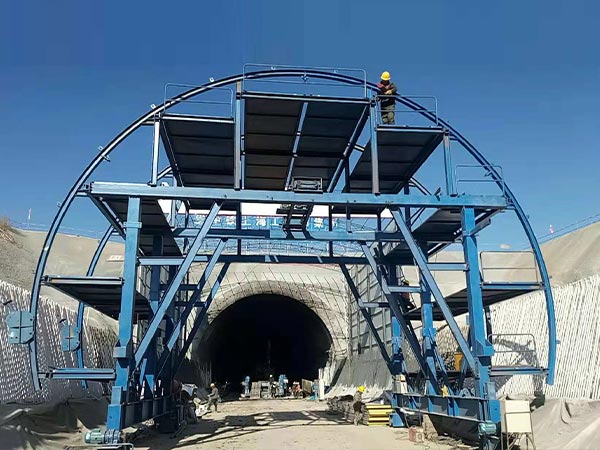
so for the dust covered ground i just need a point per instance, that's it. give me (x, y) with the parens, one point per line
(279, 424)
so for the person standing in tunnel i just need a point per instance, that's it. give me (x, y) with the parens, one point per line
(213, 397)
(358, 404)
(247, 386)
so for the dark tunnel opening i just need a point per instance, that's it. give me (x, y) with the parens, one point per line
(267, 334)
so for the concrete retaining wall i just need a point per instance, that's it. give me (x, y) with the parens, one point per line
(517, 324)
(15, 378)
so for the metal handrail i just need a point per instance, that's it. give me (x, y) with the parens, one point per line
(534, 267)
(433, 111)
(230, 103)
(361, 81)
(490, 170)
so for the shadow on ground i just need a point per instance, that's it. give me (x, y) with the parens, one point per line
(234, 426)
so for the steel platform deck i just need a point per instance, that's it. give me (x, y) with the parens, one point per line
(402, 151)
(101, 293)
(200, 151)
(153, 220)
(491, 292)
(439, 230)
(313, 133)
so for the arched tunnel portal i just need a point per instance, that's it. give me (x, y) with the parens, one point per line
(266, 334)
(273, 319)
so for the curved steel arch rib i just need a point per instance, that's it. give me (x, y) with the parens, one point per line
(319, 74)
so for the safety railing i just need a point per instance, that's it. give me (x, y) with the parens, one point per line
(499, 266)
(399, 114)
(486, 178)
(306, 83)
(214, 102)
(512, 349)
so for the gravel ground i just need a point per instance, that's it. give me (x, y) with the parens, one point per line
(279, 424)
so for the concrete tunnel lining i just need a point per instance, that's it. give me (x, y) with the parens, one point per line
(266, 334)
(317, 289)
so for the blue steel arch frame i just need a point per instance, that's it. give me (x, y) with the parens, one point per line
(266, 74)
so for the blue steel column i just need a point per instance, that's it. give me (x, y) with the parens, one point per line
(450, 185)
(481, 347)
(123, 351)
(398, 364)
(237, 159)
(148, 369)
(374, 153)
(428, 331)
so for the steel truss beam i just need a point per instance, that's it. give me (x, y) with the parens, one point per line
(173, 288)
(421, 261)
(293, 235)
(200, 316)
(123, 190)
(269, 259)
(191, 303)
(397, 311)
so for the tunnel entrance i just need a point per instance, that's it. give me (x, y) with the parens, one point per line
(266, 334)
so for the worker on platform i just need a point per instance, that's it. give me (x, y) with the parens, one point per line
(387, 101)
(407, 303)
(213, 397)
(357, 405)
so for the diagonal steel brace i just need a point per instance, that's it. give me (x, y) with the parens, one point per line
(421, 261)
(169, 295)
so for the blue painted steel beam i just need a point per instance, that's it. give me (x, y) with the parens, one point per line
(367, 317)
(148, 369)
(450, 267)
(200, 317)
(109, 215)
(191, 303)
(169, 295)
(481, 347)
(124, 349)
(259, 196)
(306, 235)
(269, 259)
(421, 261)
(83, 374)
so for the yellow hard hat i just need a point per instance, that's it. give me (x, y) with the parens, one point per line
(361, 389)
(385, 76)
(212, 384)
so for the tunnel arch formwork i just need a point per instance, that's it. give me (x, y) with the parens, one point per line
(297, 138)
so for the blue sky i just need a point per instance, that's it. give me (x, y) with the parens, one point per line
(520, 79)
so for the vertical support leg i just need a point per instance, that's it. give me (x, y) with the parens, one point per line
(80, 362)
(123, 351)
(398, 364)
(428, 331)
(155, 149)
(450, 186)
(374, 152)
(481, 347)
(330, 227)
(237, 158)
(238, 226)
(148, 369)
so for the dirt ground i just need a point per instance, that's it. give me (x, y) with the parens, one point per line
(279, 424)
